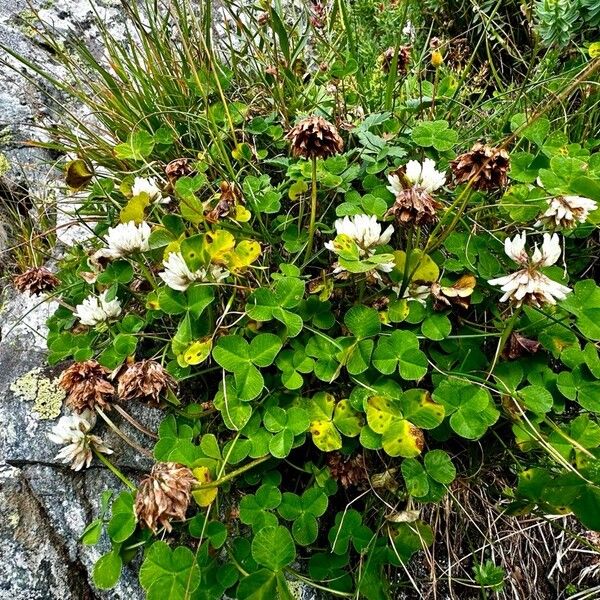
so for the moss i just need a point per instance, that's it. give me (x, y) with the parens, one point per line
(45, 393)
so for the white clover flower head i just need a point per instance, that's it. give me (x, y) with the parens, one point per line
(395, 184)
(178, 276)
(425, 175)
(97, 309)
(420, 293)
(72, 432)
(528, 285)
(364, 230)
(565, 212)
(146, 185)
(125, 239)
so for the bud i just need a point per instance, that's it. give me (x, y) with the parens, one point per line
(437, 59)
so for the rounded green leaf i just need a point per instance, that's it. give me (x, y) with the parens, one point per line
(536, 398)
(346, 419)
(436, 327)
(362, 321)
(305, 529)
(273, 547)
(439, 466)
(107, 571)
(417, 483)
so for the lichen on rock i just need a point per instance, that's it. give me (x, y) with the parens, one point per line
(45, 393)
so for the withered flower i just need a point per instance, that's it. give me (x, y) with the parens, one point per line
(180, 167)
(164, 495)
(36, 280)
(403, 60)
(144, 379)
(229, 197)
(315, 137)
(518, 345)
(87, 386)
(486, 167)
(458, 294)
(414, 205)
(349, 471)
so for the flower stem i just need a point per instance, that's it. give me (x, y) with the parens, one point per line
(313, 210)
(508, 329)
(125, 438)
(114, 470)
(234, 474)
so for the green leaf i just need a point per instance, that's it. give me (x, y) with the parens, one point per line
(436, 327)
(139, 146)
(417, 483)
(439, 466)
(362, 321)
(434, 133)
(305, 529)
(346, 419)
(107, 571)
(264, 348)
(274, 548)
(261, 585)
(587, 507)
(281, 443)
(169, 574)
(123, 522)
(419, 408)
(536, 399)
(584, 303)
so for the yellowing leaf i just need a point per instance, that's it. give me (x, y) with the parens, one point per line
(594, 50)
(197, 352)
(204, 497)
(241, 214)
(381, 412)
(245, 253)
(218, 244)
(78, 174)
(425, 269)
(134, 209)
(297, 188)
(325, 436)
(402, 438)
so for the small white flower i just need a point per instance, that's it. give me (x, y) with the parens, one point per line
(178, 276)
(529, 285)
(97, 309)
(395, 185)
(73, 433)
(365, 231)
(142, 185)
(565, 212)
(416, 292)
(125, 239)
(425, 175)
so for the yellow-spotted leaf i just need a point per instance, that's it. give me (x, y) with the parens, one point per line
(402, 438)
(197, 352)
(245, 253)
(325, 435)
(135, 208)
(218, 245)
(346, 419)
(204, 497)
(381, 413)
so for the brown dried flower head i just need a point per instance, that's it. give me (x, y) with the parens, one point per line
(164, 495)
(349, 471)
(315, 137)
(403, 60)
(144, 379)
(36, 280)
(518, 345)
(87, 386)
(180, 167)
(414, 205)
(228, 198)
(484, 166)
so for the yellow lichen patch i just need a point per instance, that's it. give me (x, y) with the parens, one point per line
(45, 393)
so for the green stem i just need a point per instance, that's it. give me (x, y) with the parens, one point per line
(113, 469)
(406, 276)
(234, 474)
(508, 329)
(313, 210)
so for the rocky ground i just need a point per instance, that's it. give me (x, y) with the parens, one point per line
(44, 506)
